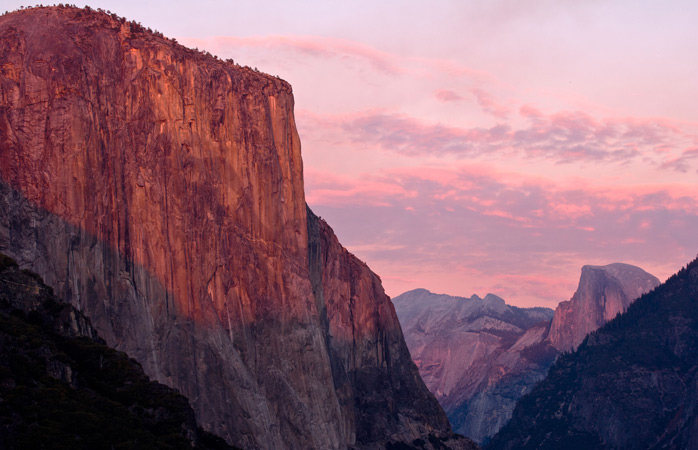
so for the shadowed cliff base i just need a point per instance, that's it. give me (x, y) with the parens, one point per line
(81, 271)
(170, 183)
(62, 388)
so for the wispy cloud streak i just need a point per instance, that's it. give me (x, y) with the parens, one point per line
(505, 228)
(442, 175)
(313, 46)
(563, 137)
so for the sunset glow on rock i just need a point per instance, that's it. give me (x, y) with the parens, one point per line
(473, 147)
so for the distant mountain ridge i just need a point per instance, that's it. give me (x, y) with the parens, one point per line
(479, 355)
(632, 384)
(469, 353)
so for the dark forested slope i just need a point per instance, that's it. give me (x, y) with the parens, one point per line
(632, 384)
(62, 388)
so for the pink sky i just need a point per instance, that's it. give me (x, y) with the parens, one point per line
(469, 147)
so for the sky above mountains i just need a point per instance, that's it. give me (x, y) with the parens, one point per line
(472, 147)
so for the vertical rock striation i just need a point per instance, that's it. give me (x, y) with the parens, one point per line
(160, 191)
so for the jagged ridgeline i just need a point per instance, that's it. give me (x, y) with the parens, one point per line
(633, 384)
(61, 387)
(159, 190)
(479, 356)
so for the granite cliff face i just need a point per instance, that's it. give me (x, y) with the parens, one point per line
(478, 356)
(632, 384)
(160, 191)
(603, 292)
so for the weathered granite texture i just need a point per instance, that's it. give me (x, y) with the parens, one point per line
(160, 191)
(603, 293)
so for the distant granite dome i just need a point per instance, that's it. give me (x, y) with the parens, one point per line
(603, 292)
(479, 356)
(159, 190)
(632, 384)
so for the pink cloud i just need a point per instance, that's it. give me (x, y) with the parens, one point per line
(325, 188)
(529, 111)
(487, 103)
(519, 198)
(504, 215)
(647, 198)
(446, 95)
(523, 229)
(570, 210)
(563, 137)
(409, 136)
(319, 47)
(633, 241)
(683, 163)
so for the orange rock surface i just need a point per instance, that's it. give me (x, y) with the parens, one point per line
(160, 190)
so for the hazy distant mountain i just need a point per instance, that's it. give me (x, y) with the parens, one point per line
(479, 356)
(633, 384)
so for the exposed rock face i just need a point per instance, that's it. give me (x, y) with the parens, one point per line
(478, 356)
(160, 191)
(373, 374)
(632, 384)
(603, 292)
